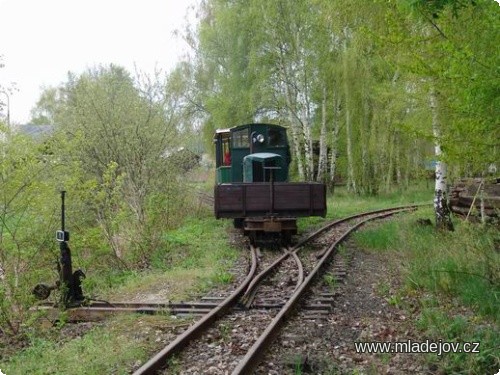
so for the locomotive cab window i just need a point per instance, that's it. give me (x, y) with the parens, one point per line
(222, 142)
(240, 139)
(226, 153)
(276, 138)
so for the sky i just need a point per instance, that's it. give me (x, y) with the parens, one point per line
(41, 41)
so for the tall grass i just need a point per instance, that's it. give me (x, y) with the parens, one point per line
(463, 263)
(457, 275)
(343, 203)
(111, 349)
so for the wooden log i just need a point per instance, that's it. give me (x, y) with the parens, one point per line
(467, 192)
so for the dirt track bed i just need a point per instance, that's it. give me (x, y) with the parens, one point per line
(364, 311)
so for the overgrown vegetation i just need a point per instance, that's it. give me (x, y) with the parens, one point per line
(366, 88)
(196, 257)
(455, 278)
(342, 203)
(115, 151)
(104, 349)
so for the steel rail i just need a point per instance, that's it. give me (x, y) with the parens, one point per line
(342, 220)
(250, 360)
(247, 299)
(137, 305)
(249, 296)
(98, 311)
(381, 215)
(251, 291)
(252, 287)
(159, 361)
(300, 267)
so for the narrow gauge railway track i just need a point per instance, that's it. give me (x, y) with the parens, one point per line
(97, 311)
(242, 336)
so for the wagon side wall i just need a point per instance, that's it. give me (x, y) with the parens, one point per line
(239, 200)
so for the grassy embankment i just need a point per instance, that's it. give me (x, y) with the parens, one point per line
(451, 283)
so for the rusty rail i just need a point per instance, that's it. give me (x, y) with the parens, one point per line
(250, 361)
(159, 361)
(251, 291)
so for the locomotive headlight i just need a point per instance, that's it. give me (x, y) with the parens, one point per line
(260, 138)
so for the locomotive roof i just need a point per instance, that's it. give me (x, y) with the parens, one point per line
(227, 130)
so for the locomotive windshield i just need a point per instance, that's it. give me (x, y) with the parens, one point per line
(276, 138)
(240, 139)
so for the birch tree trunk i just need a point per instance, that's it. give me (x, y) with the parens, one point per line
(388, 178)
(367, 176)
(481, 202)
(308, 149)
(441, 209)
(304, 108)
(296, 148)
(397, 158)
(334, 142)
(322, 142)
(296, 144)
(351, 183)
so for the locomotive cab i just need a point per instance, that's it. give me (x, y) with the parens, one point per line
(234, 144)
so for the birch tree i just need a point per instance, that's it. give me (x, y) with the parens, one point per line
(441, 208)
(289, 27)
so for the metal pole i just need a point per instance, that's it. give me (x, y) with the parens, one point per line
(66, 266)
(63, 193)
(271, 186)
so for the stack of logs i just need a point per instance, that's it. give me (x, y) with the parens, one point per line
(470, 197)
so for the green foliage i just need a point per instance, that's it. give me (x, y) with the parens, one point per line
(118, 135)
(330, 281)
(343, 204)
(26, 227)
(187, 245)
(223, 277)
(112, 152)
(358, 76)
(463, 264)
(435, 7)
(196, 257)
